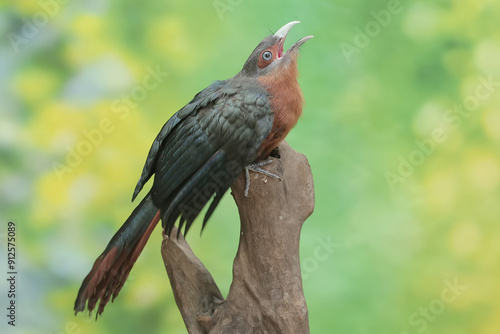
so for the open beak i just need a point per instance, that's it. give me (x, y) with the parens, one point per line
(282, 33)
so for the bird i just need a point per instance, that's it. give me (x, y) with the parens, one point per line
(229, 127)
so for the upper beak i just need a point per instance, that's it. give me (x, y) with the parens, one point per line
(283, 32)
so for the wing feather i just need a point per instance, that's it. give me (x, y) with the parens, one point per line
(223, 126)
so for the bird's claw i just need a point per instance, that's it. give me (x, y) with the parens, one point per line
(255, 167)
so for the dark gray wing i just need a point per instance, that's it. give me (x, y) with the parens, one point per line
(201, 99)
(202, 149)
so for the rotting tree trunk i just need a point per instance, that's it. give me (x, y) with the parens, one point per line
(266, 294)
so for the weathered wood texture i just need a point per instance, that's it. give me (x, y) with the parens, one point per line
(266, 294)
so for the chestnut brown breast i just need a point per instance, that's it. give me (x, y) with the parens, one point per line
(286, 103)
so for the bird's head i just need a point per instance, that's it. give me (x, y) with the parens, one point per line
(270, 56)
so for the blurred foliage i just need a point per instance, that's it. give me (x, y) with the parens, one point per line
(67, 66)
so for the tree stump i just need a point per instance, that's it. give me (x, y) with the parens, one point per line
(266, 294)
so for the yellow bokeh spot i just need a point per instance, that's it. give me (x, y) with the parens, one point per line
(441, 189)
(57, 125)
(491, 123)
(60, 297)
(491, 324)
(483, 170)
(487, 54)
(34, 85)
(147, 289)
(465, 238)
(76, 52)
(88, 41)
(51, 194)
(468, 89)
(168, 36)
(27, 7)
(88, 25)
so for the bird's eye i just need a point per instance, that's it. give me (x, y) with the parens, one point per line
(267, 55)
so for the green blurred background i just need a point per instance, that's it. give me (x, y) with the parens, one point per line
(402, 213)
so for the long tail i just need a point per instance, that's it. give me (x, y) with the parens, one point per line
(112, 267)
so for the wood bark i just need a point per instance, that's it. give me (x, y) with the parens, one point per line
(266, 294)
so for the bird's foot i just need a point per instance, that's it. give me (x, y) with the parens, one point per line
(255, 167)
